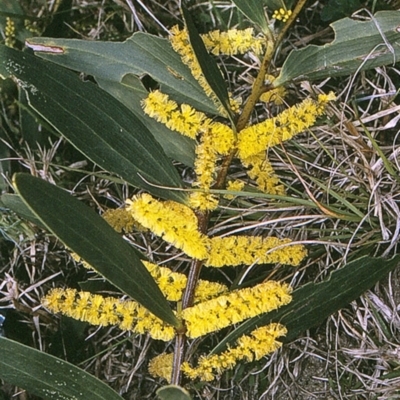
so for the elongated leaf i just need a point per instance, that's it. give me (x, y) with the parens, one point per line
(207, 64)
(358, 45)
(173, 392)
(141, 54)
(254, 11)
(130, 93)
(88, 235)
(314, 302)
(93, 121)
(47, 376)
(15, 203)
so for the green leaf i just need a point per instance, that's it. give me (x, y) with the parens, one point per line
(314, 302)
(15, 203)
(207, 64)
(358, 45)
(130, 93)
(94, 122)
(47, 376)
(141, 54)
(254, 11)
(173, 392)
(92, 238)
(335, 9)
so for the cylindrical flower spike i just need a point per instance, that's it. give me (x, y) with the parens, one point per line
(183, 119)
(235, 307)
(262, 172)
(233, 42)
(181, 44)
(247, 250)
(259, 343)
(259, 137)
(174, 222)
(161, 366)
(99, 310)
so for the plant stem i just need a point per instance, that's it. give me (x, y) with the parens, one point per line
(187, 301)
(257, 88)
(179, 352)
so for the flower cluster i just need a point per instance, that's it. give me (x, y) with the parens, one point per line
(9, 33)
(216, 139)
(214, 307)
(282, 14)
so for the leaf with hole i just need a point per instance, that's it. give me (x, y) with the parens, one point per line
(141, 54)
(94, 122)
(358, 45)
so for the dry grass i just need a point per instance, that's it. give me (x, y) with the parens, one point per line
(337, 164)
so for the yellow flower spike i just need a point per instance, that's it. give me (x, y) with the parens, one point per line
(234, 186)
(233, 42)
(235, 307)
(181, 44)
(183, 119)
(174, 222)
(121, 220)
(171, 284)
(237, 250)
(203, 201)
(206, 290)
(273, 131)
(262, 172)
(259, 343)
(161, 366)
(205, 162)
(98, 310)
